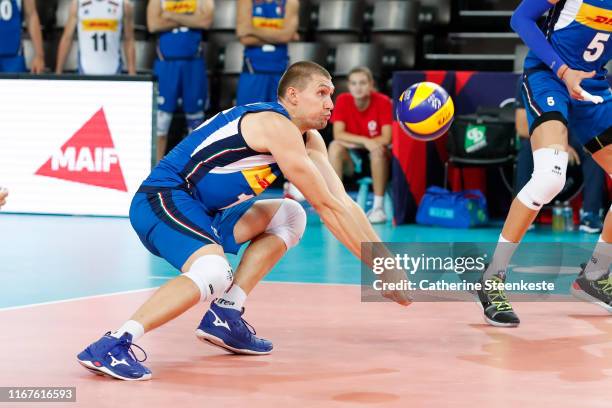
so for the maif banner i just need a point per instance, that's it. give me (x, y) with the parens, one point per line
(74, 146)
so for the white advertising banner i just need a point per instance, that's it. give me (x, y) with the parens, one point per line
(74, 146)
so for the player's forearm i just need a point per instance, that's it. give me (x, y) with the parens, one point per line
(130, 55)
(248, 40)
(62, 53)
(343, 227)
(273, 36)
(524, 23)
(35, 35)
(158, 24)
(197, 20)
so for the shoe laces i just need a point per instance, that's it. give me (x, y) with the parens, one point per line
(605, 285)
(125, 347)
(498, 297)
(250, 328)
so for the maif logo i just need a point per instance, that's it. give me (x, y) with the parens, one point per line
(88, 157)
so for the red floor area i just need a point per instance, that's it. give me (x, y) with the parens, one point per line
(330, 350)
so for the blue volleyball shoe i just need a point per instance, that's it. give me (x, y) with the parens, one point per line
(225, 328)
(114, 357)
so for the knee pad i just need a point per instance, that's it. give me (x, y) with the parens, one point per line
(194, 120)
(163, 122)
(212, 274)
(288, 223)
(547, 179)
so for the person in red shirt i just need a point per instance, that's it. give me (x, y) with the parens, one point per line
(362, 121)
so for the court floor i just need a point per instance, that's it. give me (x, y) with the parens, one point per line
(67, 280)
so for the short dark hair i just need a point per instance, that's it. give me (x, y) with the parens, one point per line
(362, 70)
(298, 74)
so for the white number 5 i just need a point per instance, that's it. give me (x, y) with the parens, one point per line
(596, 47)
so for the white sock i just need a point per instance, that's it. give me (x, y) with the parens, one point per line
(131, 326)
(233, 298)
(501, 257)
(600, 260)
(378, 201)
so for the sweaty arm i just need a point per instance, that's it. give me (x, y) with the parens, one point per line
(201, 19)
(250, 35)
(155, 22)
(524, 23)
(66, 40)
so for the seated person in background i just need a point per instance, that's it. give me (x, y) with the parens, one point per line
(362, 121)
(593, 191)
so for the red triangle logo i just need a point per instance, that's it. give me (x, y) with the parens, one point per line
(88, 157)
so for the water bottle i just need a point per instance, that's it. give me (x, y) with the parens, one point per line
(558, 223)
(568, 216)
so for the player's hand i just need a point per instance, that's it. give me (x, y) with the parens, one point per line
(38, 65)
(572, 79)
(574, 158)
(398, 296)
(3, 195)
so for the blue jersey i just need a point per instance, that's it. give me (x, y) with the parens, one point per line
(579, 31)
(215, 164)
(10, 27)
(269, 58)
(181, 42)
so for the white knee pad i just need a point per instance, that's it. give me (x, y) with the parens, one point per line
(547, 179)
(212, 274)
(288, 223)
(163, 122)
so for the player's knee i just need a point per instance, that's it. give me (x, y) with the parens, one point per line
(194, 120)
(288, 223)
(212, 274)
(547, 180)
(163, 122)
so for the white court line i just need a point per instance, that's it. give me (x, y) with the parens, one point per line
(53, 302)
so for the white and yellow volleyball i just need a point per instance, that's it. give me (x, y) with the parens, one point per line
(425, 111)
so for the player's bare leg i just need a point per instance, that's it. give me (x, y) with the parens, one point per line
(549, 145)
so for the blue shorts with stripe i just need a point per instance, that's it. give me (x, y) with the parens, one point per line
(546, 97)
(173, 225)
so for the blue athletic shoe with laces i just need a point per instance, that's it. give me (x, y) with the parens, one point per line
(114, 357)
(225, 328)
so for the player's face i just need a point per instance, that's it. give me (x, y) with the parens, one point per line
(359, 85)
(317, 102)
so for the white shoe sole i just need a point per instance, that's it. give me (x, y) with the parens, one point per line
(589, 230)
(105, 371)
(215, 341)
(582, 295)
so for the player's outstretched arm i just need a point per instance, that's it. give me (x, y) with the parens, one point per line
(272, 132)
(318, 154)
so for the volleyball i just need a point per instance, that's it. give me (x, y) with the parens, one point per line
(425, 111)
